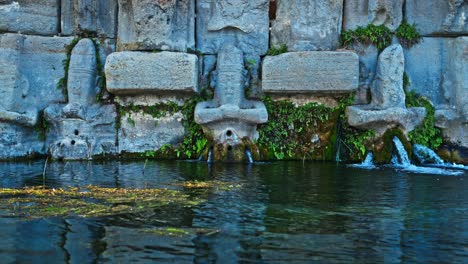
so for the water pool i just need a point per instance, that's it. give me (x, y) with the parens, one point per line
(278, 212)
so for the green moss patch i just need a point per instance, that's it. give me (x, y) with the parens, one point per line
(379, 36)
(383, 146)
(275, 51)
(426, 134)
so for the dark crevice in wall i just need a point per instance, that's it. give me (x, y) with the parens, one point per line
(116, 24)
(59, 17)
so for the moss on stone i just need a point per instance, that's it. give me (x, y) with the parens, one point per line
(383, 148)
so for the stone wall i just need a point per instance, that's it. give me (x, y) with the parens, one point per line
(164, 52)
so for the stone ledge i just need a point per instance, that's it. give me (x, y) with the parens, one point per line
(311, 72)
(137, 73)
(364, 117)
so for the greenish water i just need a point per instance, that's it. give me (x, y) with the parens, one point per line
(285, 212)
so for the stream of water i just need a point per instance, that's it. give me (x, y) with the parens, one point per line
(282, 212)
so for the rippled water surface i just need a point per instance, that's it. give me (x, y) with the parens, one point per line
(282, 212)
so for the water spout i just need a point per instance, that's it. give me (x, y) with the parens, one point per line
(249, 156)
(401, 158)
(428, 157)
(210, 156)
(401, 161)
(368, 163)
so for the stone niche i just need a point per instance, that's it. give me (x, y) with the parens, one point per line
(307, 25)
(311, 72)
(82, 128)
(39, 17)
(387, 108)
(244, 23)
(30, 67)
(143, 78)
(156, 25)
(378, 12)
(97, 16)
(439, 17)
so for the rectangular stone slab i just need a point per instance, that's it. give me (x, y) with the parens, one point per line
(311, 72)
(98, 16)
(137, 73)
(38, 17)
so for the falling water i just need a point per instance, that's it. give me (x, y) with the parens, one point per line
(368, 163)
(428, 157)
(210, 156)
(249, 156)
(401, 159)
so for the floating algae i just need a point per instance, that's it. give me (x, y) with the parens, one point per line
(88, 201)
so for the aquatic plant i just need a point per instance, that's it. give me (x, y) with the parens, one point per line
(88, 201)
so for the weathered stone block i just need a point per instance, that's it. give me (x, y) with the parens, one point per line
(379, 120)
(19, 141)
(307, 25)
(242, 23)
(29, 16)
(387, 88)
(92, 134)
(140, 132)
(156, 25)
(438, 16)
(378, 12)
(426, 66)
(81, 128)
(387, 108)
(311, 72)
(135, 73)
(454, 119)
(98, 16)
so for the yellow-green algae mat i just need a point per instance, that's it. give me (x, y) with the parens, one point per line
(93, 201)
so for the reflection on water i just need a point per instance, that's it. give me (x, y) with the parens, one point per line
(284, 212)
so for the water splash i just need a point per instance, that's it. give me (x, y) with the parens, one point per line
(368, 163)
(401, 161)
(428, 157)
(249, 156)
(210, 156)
(401, 158)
